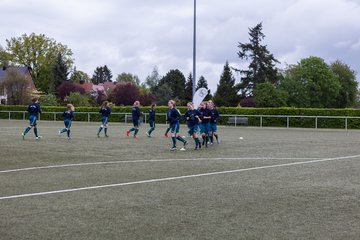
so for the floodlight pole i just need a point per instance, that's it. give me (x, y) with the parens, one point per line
(194, 52)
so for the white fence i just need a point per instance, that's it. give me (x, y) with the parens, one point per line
(232, 119)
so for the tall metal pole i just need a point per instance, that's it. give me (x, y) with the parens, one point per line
(194, 52)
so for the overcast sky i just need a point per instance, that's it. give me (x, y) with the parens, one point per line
(133, 36)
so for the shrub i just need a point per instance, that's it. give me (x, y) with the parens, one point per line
(48, 100)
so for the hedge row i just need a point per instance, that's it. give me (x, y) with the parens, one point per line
(223, 120)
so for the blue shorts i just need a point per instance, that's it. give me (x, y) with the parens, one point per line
(193, 129)
(175, 127)
(32, 120)
(152, 123)
(213, 127)
(67, 124)
(136, 122)
(104, 120)
(205, 127)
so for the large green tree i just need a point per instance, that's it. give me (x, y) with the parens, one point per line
(128, 78)
(39, 54)
(227, 91)
(267, 95)
(262, 63)
(347, 78)
(102, 74)
(175, 80)
(311, 83)
(78, 76)
(4, 60)
(163, 94)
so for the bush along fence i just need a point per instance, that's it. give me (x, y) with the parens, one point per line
(260, 117)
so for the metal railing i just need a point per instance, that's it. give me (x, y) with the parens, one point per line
(235, 116)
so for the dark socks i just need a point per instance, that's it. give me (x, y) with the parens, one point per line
(136, 131)
(105, 131)
(27, 130)
(174, 141)
(151, 130)
(100, 129)
(180, 139)
(68, 133)
(35, 132)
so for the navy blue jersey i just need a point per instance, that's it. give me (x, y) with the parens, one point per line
(105, 112)
(214, 115)
(136, 113)
(68, 115)
(152, 114)
(205, 113)
(34, 109)
(190, 116)
(173, 116)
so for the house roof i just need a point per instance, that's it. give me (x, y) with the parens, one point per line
(87, 86)
(108, 85)
(98, 88)
(22, 70)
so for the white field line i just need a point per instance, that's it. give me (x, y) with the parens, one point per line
(144, 161)
(176, 178)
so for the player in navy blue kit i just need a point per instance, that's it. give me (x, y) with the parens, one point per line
(173, 117)
(68, 118)
(105, 111)
(34, 110)
(205, 123)
(152, 113)
(213, 122)
(192, 117)
(135, 118)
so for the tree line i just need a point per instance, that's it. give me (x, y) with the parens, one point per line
(309, 83)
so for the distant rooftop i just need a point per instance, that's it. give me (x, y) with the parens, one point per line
(3, 70)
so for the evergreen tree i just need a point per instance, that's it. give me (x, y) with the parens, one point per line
(262, 63)
(189, 88)
(175, 79)
(202, 83)
(163, 94)
(60, 71)
(107, 74)
(101, 75)
(226, 93)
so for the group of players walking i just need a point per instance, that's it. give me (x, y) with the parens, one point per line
(201, 121)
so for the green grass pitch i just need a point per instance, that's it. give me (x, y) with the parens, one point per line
(272, 184)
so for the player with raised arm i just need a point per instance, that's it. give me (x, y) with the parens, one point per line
(34, 110)
(105, 111)
(174, 117)
(135, 112)
(68, 115)
(192, 117)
